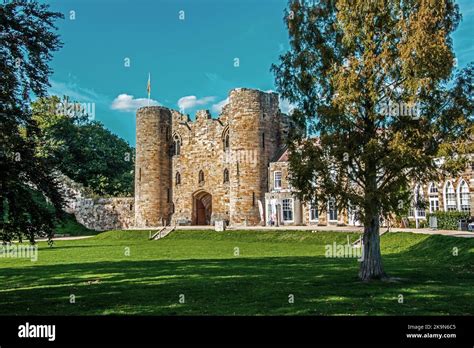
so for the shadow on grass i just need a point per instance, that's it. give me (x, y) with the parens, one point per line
(244, 286)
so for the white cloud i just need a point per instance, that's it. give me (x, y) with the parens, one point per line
(217, 108)
(191, 101)
(126, 103)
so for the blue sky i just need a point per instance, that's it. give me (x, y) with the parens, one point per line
(191, 61)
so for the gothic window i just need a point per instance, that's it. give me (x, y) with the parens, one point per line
(226, 176)
(201, 177)
(449, 197)
(464, 197)
(178, 178)
(433, 190)
(226, 139)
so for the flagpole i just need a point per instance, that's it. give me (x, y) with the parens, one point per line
(149, 88)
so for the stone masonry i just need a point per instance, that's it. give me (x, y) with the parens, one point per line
(197, 172)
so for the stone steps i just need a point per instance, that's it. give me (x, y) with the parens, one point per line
(163, 232)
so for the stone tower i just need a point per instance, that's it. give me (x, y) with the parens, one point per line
(207, 169)
(153, 167)
(254, 139)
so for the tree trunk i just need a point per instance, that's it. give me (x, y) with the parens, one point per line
(371, 266)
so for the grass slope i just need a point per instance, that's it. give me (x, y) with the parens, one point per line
(122, 272)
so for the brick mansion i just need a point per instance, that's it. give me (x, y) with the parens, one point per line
(235, 168)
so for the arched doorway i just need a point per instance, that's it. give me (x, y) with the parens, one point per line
(202, 208)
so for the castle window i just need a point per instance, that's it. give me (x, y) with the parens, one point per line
(263, 140)
(168, 195)
(201, 177)
(176, 145)
(226, 139)
(178, 178)
(139, 174)
(226, 176)
(253, 199)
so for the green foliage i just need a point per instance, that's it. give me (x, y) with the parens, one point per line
(84, 150)
(68, 226)
(271, 265)
(28, 40)
(448, 220)
(348, 61)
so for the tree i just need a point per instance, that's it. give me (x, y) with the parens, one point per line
(83, 149)
(28, 40)
(374, 83)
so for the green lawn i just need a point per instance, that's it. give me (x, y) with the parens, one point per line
(271, 266)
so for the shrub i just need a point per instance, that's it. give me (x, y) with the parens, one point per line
(448, 220)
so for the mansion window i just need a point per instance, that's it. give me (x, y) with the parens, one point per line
(450, 197)
(313, 212)
(434, 204)
(464, 197)
(332, 210)
(419, 202)
(433, 197)
(277, 180)
(287, 209)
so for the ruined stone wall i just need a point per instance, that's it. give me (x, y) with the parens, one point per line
(98, 214)
(103, 214)
(252, 120)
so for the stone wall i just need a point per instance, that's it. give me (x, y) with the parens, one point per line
(103, 214)
(99, 214)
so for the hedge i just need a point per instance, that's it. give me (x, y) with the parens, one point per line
(448, 220)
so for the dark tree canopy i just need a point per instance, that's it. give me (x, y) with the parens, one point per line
(375, 87)
(28, 39)
(83, 149)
